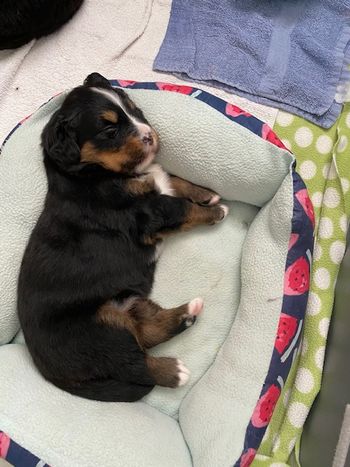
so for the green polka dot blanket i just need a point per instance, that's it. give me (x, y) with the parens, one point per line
(324, 163)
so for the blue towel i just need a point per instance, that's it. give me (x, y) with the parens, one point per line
(290, 54)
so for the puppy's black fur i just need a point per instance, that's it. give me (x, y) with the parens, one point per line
(24, 20)
(92, 250)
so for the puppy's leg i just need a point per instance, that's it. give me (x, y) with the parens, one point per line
(177, 214)
(194, 193)
(154, 324)
(201, 215)
(168, 372)
(150, 325)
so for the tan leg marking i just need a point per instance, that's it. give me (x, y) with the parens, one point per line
(194, 193)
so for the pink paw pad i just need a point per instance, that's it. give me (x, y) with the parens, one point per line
(195, 306)
(214, 200)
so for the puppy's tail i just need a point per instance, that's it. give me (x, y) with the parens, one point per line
(109, 390)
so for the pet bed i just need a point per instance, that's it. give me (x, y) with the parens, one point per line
(252, 271)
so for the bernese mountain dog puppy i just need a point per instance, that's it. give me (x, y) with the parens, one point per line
(88, 268)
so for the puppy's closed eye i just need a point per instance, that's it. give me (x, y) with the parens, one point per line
(111, 132)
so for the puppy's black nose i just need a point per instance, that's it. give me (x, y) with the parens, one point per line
(148, 139)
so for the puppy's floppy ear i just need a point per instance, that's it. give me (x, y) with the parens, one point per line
(59, 141)
(97, 80)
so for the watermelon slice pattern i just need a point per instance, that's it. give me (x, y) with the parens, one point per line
(247, 458)
(268, 134)
(293, 239)
(287, 328)
(235, 111)
(296, 277)
(264, 409)
(174, 88)
(303, 198)
(4, 445)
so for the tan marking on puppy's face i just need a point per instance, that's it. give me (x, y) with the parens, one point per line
(121, 160)
(110, 116)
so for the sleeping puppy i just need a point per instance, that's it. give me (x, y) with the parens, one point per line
(89, 265)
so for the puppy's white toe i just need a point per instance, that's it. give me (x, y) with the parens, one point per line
(225, 209)
(183, 373)
(214, 200)
(195, 306)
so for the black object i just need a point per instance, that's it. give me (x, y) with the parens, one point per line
(322, 428)
(24, 20)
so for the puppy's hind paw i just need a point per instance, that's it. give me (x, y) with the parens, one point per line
(194, 308)
(183, 373)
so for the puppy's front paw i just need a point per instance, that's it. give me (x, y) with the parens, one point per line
(214, 199)
(219, 212)
(224, 211)
(203, 196)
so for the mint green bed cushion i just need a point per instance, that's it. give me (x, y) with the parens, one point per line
(237, 266)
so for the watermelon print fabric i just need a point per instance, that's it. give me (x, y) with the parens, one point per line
(17, 456)
(297, 275)
(322, 158)
(288, 334)
(287, 327)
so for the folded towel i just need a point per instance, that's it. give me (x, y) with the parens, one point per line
(292, 55)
